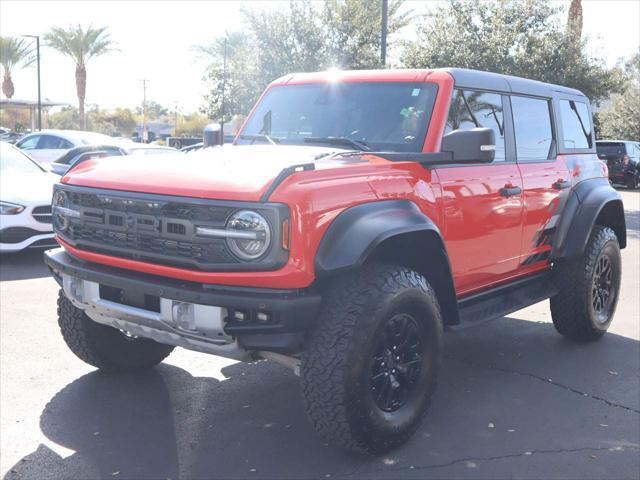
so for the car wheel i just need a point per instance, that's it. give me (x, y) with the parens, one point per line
(104, 347)
(370, 366)
(589, 288)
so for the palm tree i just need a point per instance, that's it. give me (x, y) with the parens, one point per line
(14, 52)
(81, 45)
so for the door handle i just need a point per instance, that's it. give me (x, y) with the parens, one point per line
(562, 184)
(510, 190)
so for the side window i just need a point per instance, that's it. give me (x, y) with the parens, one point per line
(53, 142)
(576, 124)
(30, 143)
(471, 109)
(532, 124)
(66, 144)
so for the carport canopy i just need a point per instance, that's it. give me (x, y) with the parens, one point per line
(31, 105)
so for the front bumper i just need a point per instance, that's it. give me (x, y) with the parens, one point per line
(196, 316)
(22, 230)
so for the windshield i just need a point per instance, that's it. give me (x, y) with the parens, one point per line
(12, 160)
(614, 148)
(360, 116)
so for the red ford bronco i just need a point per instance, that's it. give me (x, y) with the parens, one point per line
(355, 216)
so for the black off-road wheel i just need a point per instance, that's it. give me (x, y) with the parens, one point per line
(104, 347)
(370, 366)
(589, 288)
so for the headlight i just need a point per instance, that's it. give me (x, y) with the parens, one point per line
(249, 234)
(7, 208)
(59, 205)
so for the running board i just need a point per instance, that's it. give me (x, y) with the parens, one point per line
(505, 299)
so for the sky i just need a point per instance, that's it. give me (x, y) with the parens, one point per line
(155, 41)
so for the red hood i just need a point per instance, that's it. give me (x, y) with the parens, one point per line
(227, 173)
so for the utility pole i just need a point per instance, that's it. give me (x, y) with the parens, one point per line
(224, 84)
(383, 36)
(37, 37)
(175, 120)
(145, 132)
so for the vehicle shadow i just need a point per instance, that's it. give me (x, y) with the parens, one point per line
(23, 265)
(510, 387)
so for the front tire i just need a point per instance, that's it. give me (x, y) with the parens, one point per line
(104, 347)
(589, 288)
(370, 366)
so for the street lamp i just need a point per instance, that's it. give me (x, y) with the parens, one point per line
(38, 62)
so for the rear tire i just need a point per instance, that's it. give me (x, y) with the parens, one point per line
(589, 288)
(359, 392)
(105, 347)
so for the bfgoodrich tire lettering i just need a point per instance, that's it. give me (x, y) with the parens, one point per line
(105, 347)
(342, 360)
(589, 288)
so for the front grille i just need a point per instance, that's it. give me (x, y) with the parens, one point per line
(159, 229)
(42, 214)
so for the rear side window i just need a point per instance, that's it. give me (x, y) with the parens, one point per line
(532, 125)
(54, 143)
(576, 124)
(470, 109)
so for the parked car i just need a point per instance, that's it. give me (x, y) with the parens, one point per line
(25, 202)
(148, 149)
(355, 217)
(11, 137)
(47, 145)
(623, 159)
(88, 152)
(82, 153)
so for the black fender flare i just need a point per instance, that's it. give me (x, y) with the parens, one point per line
(586, 202)
(356, 233)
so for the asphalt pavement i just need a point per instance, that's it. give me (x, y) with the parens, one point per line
(515, 400)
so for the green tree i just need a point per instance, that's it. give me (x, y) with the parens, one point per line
(81, 45)
(242, 83)
(154, 110)
(620, 118)
(352, 31)
(305, 36)
(14, 52)
(515, 37)
(291, 40)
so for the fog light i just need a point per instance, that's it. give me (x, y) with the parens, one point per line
(262, 317)
(239, 316)
(183, 315)
(76, 287)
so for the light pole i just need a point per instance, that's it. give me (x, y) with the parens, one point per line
(38, 62)
(383, 33)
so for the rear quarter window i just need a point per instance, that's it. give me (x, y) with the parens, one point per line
(576, 125)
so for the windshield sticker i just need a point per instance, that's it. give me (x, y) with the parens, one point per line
(415, 92)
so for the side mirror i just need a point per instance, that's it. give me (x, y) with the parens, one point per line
(477, 145)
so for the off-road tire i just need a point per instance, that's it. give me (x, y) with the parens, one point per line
(337, 383)
(572, 309)
(105, 347)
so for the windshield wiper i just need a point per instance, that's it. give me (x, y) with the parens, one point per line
(339, 141)
(266, 138)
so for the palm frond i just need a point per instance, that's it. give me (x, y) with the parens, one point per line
(15, 52)
(80, 44)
